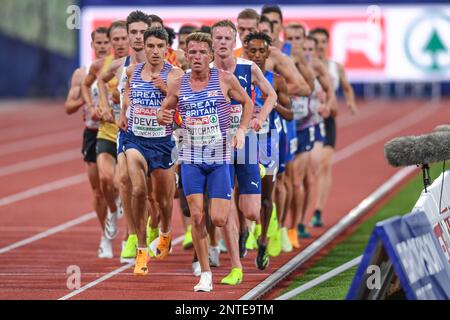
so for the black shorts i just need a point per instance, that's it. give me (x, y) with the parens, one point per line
(89, 145)
(330, 132)
(106, 146)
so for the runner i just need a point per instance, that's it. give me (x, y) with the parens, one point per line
(257, 49)
(185, 30)
(106, 136)
(339, 77)
(245, 163)
(74, 101)
(203, 99)
(320, 104)
(136, 24)
(148, 145)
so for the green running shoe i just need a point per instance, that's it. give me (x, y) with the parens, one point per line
(187, 242)
(286, 245)
(302, 232)
(152, 234)
(234, 277)
(273, 222)
(251, 243)
(128, 253)
(274, 245)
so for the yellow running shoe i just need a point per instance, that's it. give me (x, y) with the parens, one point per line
(128, 253)
(274, 245)
(273, 222)
(234, 277)
(141, 263)
(164, 246)
(187, 242)
(293, 237)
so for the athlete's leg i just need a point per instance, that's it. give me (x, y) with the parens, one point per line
(98, 201)
(106, 164)
(137, 169)
(288, 183)
(301, 164)
(199, 234)
(163, 183)
(266, 206)
(125, 191)
(280, 194)
(325, 177)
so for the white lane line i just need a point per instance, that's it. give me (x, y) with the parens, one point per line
(322, 278)
(49, 232)
(40, 141)
(328, 236)
(386, 132)
(110, 275)
(43, 188)
(41, 162)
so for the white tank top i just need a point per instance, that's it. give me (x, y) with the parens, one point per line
(88, 122)
(123, 82)
(315, 102)
(333, 70)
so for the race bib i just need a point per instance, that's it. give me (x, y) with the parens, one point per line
(293, 146)
(204, 130)
(300, 107)
(236, 113)
(145, 123)
(116, 109)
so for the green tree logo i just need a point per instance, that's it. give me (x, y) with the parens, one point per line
(434, 47)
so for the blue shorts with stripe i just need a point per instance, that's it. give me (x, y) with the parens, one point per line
(159, 153)
(202, 178)
(306, 138)
(245, 166)
(120, 134)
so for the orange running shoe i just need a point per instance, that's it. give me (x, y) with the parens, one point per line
(293, 238)
(141, 263)
(164, 246)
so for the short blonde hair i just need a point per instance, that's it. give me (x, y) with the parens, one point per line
(200, 37)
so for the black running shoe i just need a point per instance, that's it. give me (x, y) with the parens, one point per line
(262, 259)
(242, 241)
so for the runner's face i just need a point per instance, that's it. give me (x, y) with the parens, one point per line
(119, 42)
(101, 45)
(155, 50)
(276, 20)
(264, 27)
(322, 46)
(294, 36)
(246, 26)
(309, 49)
(224, 41)
(258, 51)
(198, 55)
(182, 41)
(136, 35)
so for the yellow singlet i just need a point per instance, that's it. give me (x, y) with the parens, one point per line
(108, 130)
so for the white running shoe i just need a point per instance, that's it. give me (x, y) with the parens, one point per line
(111, 230)
(105, 250)
(205, 283)
(214, 253)
(196, 269)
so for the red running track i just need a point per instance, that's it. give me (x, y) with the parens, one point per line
(43, 186)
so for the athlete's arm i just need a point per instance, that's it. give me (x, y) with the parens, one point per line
(232, 88)
(283, 65)
(103, 79)
(325, 81)
(283, 105)
(303, 68)
(347, 88)
(123, 121)
(74, 100)
(86, 89)
(268, 92)
(165, 113)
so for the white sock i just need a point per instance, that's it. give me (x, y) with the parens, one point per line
(164, 234)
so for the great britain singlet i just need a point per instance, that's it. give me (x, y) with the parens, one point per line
(206, 122)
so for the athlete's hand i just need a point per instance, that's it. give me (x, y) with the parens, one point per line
(238, 139)
(107, 115)
(123, 122)
(159, 83)
(95, 114)
(165, 116)
(256, 124)
(352, 107)
(324, 110)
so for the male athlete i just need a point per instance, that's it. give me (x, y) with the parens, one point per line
(74, 101)
(203, 98)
